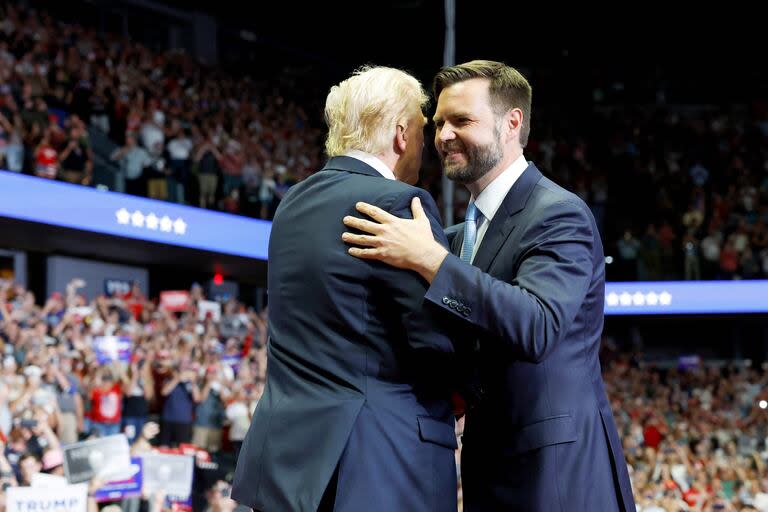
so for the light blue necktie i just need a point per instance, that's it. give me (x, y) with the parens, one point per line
(472, 220)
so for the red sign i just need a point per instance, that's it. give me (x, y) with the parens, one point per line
(177, 300)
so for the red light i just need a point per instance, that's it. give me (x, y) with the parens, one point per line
(218, 279)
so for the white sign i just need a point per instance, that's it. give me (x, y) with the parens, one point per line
(208, 306)
(107, 457)
(72, 498)
(48, 481)
(169, 473)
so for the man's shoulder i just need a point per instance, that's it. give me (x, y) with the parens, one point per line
(549, 195)
(380, 184)
(362, 187)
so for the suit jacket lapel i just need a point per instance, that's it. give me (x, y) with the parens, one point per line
(503, 223)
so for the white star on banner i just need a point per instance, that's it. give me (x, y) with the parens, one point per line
(612, 299)
(665, 298)
(123, 216)
(652, 299)
(152, 221)
(137, 219)
(166, 224)
(638, 299)
(180, 227)
(625, 299)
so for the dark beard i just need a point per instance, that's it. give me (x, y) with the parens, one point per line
(480, 161)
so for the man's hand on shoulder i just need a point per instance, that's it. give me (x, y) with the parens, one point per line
(402, 243)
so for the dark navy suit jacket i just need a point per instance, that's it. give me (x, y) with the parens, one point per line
(359, 371)
(540, 435)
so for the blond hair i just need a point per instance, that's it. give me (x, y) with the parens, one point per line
(363, 111)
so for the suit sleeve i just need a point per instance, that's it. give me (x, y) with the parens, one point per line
(532, 313)
(407, 289)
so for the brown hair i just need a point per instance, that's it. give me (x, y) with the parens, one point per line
(508, 87)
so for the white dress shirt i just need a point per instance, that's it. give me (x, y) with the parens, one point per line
(490, 199)
(373, 161)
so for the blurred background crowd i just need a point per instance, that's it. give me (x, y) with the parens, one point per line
(679, 191)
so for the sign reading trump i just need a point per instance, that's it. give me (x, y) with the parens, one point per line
(71, 498)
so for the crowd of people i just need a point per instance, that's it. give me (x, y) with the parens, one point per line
(196, 380)
(187, 133)
(694, 438)
(677, 193)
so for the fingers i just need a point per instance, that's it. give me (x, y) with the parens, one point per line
(374, 212)
(366, 254)
(417, 210)
(365, 240)
(363, 225)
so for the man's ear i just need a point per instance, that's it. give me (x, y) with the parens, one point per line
(513, 123)
(401, 139)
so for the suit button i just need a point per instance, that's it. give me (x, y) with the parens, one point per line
(460, 308)
(446, 300)
(453, 304)
(467, 310)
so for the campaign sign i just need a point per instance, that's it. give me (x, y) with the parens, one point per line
(71, 498)
(174, 300)
(106, 457)
(233, 361)
(171, 474)
(125, 488)
(112, 348)
(178, 504)
(47, 481)
(208, 307)
(116, 287)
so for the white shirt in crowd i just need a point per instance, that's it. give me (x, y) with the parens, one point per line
(179, 148)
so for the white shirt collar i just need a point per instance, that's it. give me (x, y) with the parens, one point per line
(373, 161)
(490, 199)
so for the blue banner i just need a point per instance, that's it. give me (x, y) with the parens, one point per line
(686, 297)
(73, 206)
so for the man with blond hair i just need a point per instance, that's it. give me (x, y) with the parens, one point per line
(356, 412)
(527, 275)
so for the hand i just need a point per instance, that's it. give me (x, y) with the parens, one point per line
(402, 243)
(95, 484)
(150, 430)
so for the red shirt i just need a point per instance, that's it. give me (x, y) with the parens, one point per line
(652, 436)
(46, 159)
(106, 406)
(46, 155)
(693, 495)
